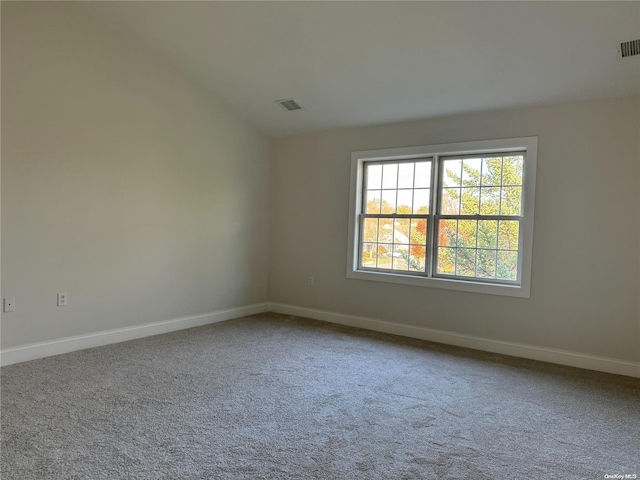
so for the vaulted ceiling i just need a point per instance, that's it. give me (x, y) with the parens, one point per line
(363, 63)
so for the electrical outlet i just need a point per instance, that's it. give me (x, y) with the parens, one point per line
(62, 299)
(310, 280)
(9, 305)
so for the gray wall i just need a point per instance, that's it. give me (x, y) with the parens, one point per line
(145, 199)
(585, 280)
(123, 184)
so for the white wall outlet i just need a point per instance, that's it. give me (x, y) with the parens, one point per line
(62, 299)
(9, 305)
(310, 280)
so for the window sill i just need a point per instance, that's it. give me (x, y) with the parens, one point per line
(521, 291)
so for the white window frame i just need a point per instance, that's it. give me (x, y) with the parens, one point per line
(522, 288)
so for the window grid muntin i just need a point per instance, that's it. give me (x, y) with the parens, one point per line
(456, 247)
(441, 159)
(395, 216)
(392, 243)
(366, 190)
(433, 217)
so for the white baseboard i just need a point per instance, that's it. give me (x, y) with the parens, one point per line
(34, 351)
(562, 357)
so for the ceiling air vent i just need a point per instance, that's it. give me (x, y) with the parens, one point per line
(289, 104)
(628, 49)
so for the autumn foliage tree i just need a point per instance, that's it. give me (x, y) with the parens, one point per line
(401, 239)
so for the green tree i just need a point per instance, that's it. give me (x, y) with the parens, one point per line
(473, 247)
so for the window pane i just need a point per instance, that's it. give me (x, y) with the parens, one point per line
(385, 252)
(417, 258)
(405, 175)
(489, 200)
(508, 234)
(450, 201)
(511, 201)
(448, 233)
(452, 173)
(486, 264)
(512, 170)
(370, 230)
(400, 257)
(373, 202)
(467, 233)
(423, 175)
(390, 175)
(447, 261)
(389, 201)
(369, 255)
(385, 230)
(419, 231)
(471, 172)
(374, 176)
(466, 262)
(487, 233)
(405, 199)
(421, 201)
(470, 201)
(492, 171)
(401, 231)
(507, 266)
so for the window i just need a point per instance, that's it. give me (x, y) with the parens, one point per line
(456, 216)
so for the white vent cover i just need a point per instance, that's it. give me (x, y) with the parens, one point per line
(628, 49)
(289, 104)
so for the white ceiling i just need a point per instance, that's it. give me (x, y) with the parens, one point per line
(363, 63)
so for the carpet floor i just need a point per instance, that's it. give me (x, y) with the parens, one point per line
(279, 397)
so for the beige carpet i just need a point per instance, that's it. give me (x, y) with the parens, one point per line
(276, 397)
